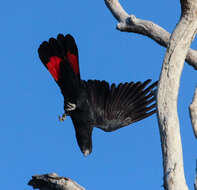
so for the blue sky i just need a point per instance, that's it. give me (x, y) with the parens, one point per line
(32, 139)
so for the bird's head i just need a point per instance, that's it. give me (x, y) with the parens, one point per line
(84, 139)
(86, 151)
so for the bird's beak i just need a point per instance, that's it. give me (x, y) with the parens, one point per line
(86, 152)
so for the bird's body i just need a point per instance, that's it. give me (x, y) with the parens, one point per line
(93, 103)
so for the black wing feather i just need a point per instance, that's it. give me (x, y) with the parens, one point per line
(118, 106)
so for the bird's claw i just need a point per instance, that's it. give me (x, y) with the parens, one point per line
(70, 106)
(63, 117)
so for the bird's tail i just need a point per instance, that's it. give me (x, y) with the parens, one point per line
(60, 57)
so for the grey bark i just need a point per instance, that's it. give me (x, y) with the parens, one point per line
(193, 113)
(168, 88)
(195, 184)
(53, 182)
(129, 23)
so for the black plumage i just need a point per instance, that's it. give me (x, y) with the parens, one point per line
(94, 103)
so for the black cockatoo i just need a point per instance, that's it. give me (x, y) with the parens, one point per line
(93, 102)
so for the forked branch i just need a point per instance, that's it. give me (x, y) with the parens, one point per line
(129, 23)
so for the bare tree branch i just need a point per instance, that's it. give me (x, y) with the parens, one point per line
(129, 23)
(168, 93)
(193, 113)
(53, 182)
(195, 184)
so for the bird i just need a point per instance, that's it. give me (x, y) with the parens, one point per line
(94, 103)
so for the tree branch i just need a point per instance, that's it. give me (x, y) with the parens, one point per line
(53, 182)
(195, 184)
(129, 23)
(168, 93)
(193, 113)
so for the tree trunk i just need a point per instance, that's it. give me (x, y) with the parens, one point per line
(168, 88)
(193, 113)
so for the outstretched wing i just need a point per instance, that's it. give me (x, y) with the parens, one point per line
(118, 106)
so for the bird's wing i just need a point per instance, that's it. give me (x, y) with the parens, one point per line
(60, 57)
(118, 106)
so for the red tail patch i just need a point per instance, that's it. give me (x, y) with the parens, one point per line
(54, 66)
(73, 60)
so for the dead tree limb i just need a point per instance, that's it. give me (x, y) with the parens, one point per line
(53, 182)
(193, 113)
(129, 23)
(168, 93)
(195, 184)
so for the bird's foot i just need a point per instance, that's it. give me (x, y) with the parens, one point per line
(63, 117)
(70, 107)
